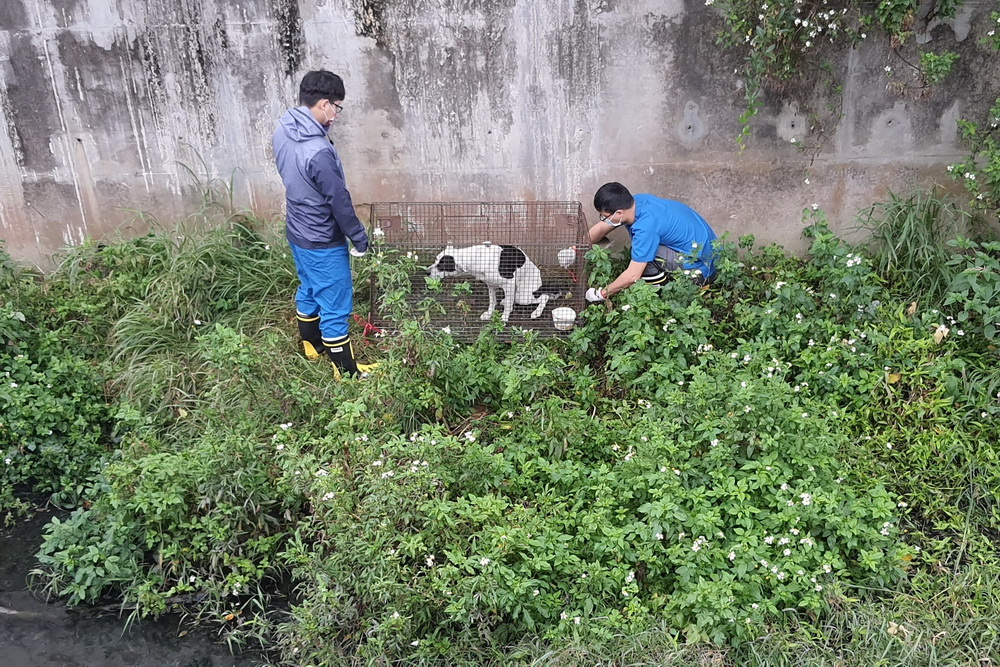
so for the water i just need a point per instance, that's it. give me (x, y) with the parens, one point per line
(35, 634)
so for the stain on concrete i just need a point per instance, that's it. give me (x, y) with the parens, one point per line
(33, 110)
(64, 11)
(382, 91)
(13, 15)
(369, 20)
(220, 33)
(288, 29)
(576, 56)
(11, 128)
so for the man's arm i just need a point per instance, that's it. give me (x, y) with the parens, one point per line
(329, 179)
(631, 275)
(598, 231)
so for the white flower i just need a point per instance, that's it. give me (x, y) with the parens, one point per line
(576, 620)
(535, 592)
(395, 614)
(484, 561)
(415, 642)
(430, 560)
(827, 568)
(819, 587)
(8, 460)
(447, 330)
(192, 579)
(626, 307)
(564, 616)
(787, 552)
(784, 487)
(806, 499)
(658, 536)
(806, 181)
(328, 496)
(781, 576)
(714, 442)
(285, 427)
(197, 322)
(732, 556)
(769, 539)
(470, 436)
(378, 232)
(14, 385)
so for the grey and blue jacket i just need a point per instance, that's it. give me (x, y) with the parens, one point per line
(320, 213)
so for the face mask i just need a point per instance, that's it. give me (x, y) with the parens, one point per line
(610, 220)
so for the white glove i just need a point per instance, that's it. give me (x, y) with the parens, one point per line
(594, 295)
(357, 253)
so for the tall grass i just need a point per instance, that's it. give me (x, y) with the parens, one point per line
(908, 243)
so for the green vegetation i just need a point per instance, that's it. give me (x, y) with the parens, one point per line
(795, 466)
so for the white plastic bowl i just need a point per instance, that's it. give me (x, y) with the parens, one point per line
(563, 318)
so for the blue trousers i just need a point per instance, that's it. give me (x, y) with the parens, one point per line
(326, 288)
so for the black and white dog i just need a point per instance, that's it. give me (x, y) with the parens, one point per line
(503, 266)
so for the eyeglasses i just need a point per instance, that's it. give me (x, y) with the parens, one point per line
(608, 218)
(338, 107)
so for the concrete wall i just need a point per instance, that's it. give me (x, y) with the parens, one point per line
(107, 106)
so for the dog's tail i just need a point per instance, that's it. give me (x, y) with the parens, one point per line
(550, 289)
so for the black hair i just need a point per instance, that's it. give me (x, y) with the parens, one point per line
(612, 197)
(320, 85)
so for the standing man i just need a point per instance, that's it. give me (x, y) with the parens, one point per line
(666, 235)
(320, 220)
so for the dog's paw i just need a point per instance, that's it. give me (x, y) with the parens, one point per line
(487, 315)
(535, 315)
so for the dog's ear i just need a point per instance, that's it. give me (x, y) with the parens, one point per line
(446, 263)
(511, 259)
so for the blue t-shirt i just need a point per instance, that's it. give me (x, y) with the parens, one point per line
(666, 222)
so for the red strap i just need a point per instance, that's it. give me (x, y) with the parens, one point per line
(367, 327)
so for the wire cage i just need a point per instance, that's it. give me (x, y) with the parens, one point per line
(441, 261)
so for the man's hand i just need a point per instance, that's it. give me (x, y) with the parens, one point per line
(594, 295)
(356, 253)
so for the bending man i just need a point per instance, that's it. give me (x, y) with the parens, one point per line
(666, 235)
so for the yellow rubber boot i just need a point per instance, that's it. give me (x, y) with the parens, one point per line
(341, 353)
(312, 340)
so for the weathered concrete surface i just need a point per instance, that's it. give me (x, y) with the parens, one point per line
(109, 106)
